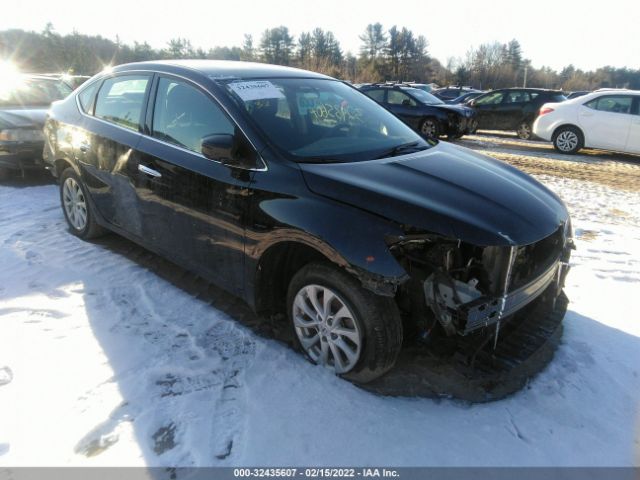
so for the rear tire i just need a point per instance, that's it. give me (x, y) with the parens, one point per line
(77, 208)
(356, 321)
(524, 131)
(568, 140)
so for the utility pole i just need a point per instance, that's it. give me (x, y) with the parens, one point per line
(524, 82)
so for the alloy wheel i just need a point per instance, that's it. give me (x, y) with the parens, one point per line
(326, 328)
(567, 141)
(75, 205)
(524, 131)
(429, 128)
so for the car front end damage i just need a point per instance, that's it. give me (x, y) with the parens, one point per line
(460, 289)
(484, 319)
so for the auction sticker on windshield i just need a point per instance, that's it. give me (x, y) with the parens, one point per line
(256, 90)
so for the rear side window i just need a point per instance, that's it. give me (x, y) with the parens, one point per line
(377, 95)
(184, 116)
(611, 104)
(517, 96)
(120, 100)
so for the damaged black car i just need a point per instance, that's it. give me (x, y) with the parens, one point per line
(302, 195)
(422, 111)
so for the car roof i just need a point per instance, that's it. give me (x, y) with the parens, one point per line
(38, 76)
(528, 89)
(603, 92)
(223, 68)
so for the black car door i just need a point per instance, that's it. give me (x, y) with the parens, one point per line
(487, 107)
(512, 109)
(193, 208)
(404, 107)
(105, 145)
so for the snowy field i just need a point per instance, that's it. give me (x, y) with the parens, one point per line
(103, 362)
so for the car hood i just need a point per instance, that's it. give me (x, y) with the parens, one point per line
(23, 117)
(459, 109)
(447, 190)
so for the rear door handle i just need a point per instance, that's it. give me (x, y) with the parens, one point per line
(149, 171)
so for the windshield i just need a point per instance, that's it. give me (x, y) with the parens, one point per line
(316, 120)
(425, 97)
(25, 91)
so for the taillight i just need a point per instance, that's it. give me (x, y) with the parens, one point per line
(545, 110)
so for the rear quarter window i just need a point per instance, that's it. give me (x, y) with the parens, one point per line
(86, 96)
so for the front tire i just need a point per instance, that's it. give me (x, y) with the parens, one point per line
(341, 325)
(568, 140)
(430, 127)
(76, 206)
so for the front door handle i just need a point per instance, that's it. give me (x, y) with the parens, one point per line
(149, 171)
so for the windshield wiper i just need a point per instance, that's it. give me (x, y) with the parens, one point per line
(402, 148)
(319, 160)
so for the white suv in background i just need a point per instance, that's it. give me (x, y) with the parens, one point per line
(608, 119)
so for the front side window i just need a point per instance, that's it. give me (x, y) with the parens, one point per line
(611, 104)
(120, 100)
(490, 99)
(184, 116)
(326, 120)
(395, 97)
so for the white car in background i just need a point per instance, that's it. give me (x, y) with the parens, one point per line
(608, 119)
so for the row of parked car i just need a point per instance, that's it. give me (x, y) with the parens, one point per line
(606, 119)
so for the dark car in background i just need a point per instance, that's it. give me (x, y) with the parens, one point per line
(24, 101)
(449, 93)
(577, 93)
(513, 109)
(465, 98)
(422, 111)
(301, 195)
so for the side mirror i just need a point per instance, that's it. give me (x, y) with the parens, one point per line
(218, 147)
(232, 150)
(406, 102)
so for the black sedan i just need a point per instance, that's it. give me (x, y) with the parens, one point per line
(24, 101)
(422, 111)
(301, 195)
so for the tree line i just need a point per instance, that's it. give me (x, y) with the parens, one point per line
(395, 53)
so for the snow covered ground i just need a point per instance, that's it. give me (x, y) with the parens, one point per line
(102, 362)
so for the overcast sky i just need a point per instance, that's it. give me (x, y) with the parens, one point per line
(588, 34)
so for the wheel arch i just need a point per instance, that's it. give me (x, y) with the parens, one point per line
(572, 125)
(277, 266)
(281, 259)
(61, 164)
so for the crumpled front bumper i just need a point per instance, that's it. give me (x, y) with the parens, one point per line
(486, 311)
